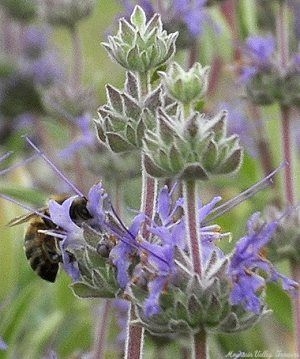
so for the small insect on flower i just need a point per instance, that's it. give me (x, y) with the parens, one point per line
(42, 249)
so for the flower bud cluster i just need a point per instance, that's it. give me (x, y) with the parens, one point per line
(124, 119)
(21, 80)
(175, 140)
(66, 12)
(186, 86)
(140, 46)
(192, 148)
(286, 240)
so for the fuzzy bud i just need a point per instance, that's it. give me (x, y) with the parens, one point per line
(139, 45)
(186, 86)
(124, 119)
(66, 12)
(193, 148)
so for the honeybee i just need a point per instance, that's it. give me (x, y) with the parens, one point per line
(41, 249)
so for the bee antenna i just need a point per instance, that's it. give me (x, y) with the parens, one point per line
(5, 156)
(22, 205)
(16, 165)
(54, 168)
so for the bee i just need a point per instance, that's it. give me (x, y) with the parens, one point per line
(41, 249)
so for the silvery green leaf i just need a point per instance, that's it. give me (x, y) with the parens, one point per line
(118, 143)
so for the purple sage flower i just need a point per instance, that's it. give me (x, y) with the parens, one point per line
(168, 234)
(72, 235)
(122, 254)
(247, 259)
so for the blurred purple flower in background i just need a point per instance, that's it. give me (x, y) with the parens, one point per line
(38, 60)
(3, 345)
(259, 51)
(86, 139)
(34, 41)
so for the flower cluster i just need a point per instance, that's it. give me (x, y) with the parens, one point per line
(35, 68)
(156, 274)
(66, 12)
(265, 78)
(196, 147)
(286, 241)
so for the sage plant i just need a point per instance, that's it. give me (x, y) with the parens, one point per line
(167, 262)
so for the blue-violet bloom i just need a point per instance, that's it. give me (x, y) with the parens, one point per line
(247, 262)
(259, 51)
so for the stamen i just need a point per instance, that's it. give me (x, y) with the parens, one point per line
(55, 169)
(22, 205)
(136, 246)
(259, 186)
(11, 168)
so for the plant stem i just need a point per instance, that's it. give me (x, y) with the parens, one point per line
(134, 339)
(283, 54)
(135, 336)
(200, 346)
(77, 69)
(193, 53)
(195, 251)
(193, 225)
(288, 156)
(295, 267)
(101, 331)
(282, 33)
(229, 11)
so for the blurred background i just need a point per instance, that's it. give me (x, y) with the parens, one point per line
(53, 72)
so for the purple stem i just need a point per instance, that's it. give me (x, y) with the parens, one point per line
(77, 58)
(194, 244)
(200, 348)
(135, 338)
(288, 157)
(193, 53)
(295, 267)
(282, 32)
(135, 334)
(193, 235)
